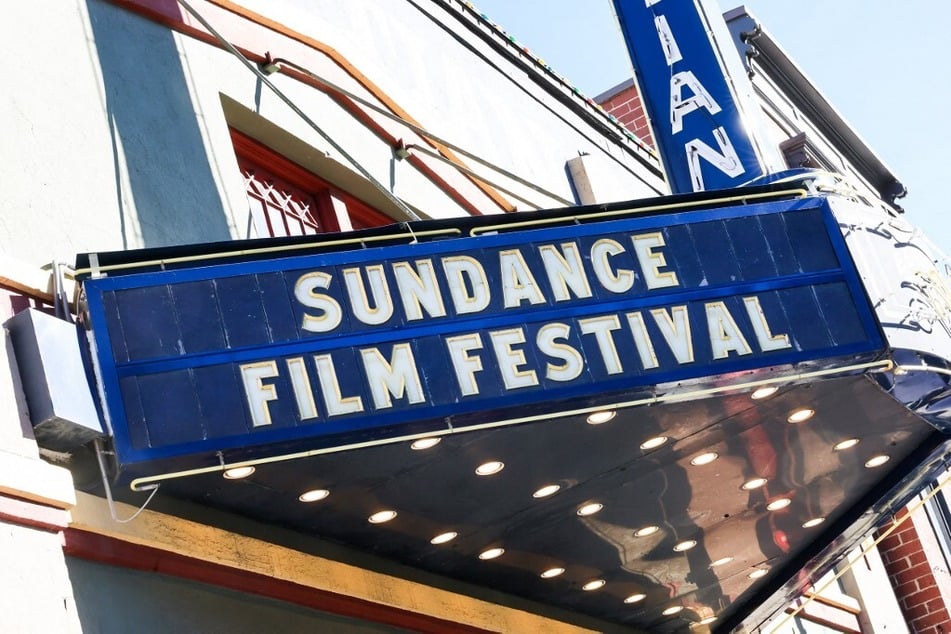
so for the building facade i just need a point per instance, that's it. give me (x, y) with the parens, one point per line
(167, 152)
(910, 548)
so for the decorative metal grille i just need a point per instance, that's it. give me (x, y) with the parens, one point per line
(277, 205)
(286, 199)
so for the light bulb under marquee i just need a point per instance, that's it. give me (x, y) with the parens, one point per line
(598, 418)
(236, 473)
(778, 504)
(813, 522)
(672, 610)
(634, 598)
(755, 483)
(707, 621)
(552, 572)
(590, 509)
(491, 553)
(756, 574)
(653, 443)
(704, 458)
(842, 445)
(442, 538)
(721, 561)
(313, 495)
(876, 461)
(801, 415)
(489, 468)
(545, 491)
(594, 584)
(646, 530)
(425, 443)
(381, 516)
(685, 545)
(763, 392)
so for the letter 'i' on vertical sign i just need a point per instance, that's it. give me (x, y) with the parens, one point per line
(696, 94)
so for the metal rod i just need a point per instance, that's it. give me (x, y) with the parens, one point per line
(290, 103)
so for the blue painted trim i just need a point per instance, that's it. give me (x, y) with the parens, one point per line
(430, 417)
(694, 69)
(458, 245)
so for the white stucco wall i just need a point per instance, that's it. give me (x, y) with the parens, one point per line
(116, 137)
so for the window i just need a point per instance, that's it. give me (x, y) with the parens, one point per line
(800, 151)
(938, 511)
(287, 200)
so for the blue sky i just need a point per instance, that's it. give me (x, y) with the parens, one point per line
(883, 67)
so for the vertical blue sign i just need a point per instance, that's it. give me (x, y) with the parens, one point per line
(698, 116)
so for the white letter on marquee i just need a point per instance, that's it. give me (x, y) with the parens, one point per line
(465, 365)
(620, 282)
(642, 341)
(680, 107)
(418, 292)
(667, 41)
(511, 358)
(675, 327)
(458, 268)
(728, 162)
(651, 260)
(304, 293)
(518, 283)
(725, 335)
(303, 391)
(601, 328)
(764, 337)
(573, 363)
(396, 376)
(382, 308)
(258, 394)
(330, 388)
(565, 271)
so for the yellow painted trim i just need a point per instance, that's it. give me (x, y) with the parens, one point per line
(216, 546)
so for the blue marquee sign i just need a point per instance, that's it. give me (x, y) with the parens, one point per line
(234, 360)
(689, 89)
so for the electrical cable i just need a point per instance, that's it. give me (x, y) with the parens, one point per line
(264, 80)
(105, 484)
(429, 135)
(273, 63)
(466, 170)
(565, 99)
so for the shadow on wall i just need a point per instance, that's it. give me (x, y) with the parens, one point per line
(165, 188)
(117, 600)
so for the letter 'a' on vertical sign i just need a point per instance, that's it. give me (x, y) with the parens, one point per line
(696, 94)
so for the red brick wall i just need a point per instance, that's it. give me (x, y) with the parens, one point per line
(626, 106)
(915, 586)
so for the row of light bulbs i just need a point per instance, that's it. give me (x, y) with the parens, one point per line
(492, 467)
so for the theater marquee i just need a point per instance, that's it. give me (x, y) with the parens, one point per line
(257, 359)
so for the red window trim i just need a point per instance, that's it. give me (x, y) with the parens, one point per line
(361, 214)
(115, 552)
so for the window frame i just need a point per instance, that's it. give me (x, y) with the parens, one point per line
(335, 209)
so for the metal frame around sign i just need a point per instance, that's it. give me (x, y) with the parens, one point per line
(514, 407)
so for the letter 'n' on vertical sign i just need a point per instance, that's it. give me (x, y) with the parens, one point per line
(696, 94)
